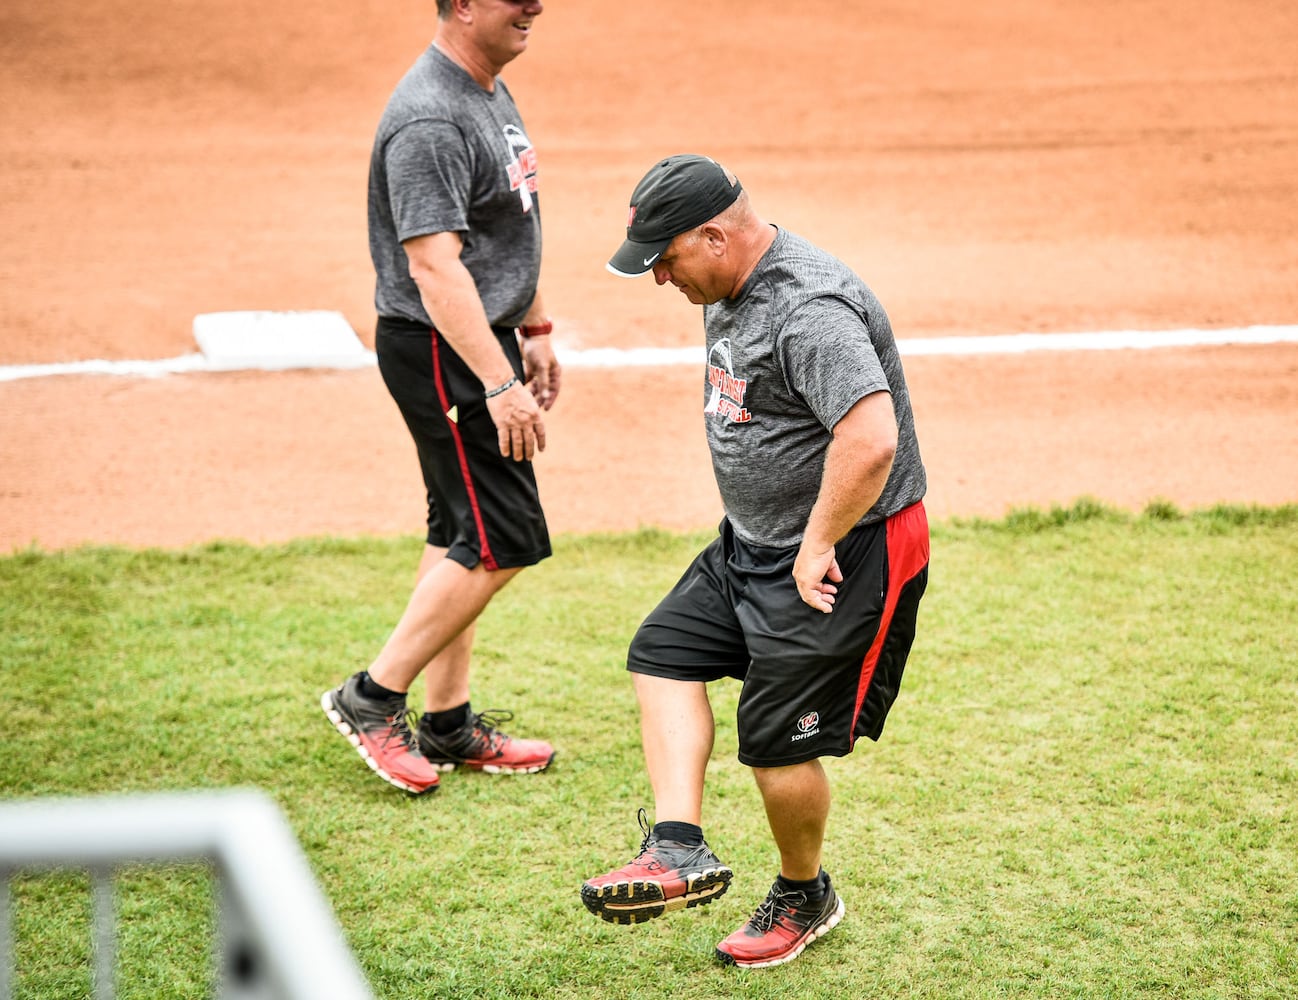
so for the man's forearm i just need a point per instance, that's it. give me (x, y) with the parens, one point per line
(451, 298)
(849, 486)
(857, 464)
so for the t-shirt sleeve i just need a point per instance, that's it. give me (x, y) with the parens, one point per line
(429, 179)
(828, 358)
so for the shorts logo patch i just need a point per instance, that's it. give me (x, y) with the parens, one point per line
(808, 726)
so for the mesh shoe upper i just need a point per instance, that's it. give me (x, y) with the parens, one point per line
(478, 744)
(785, 923)
(379, 729)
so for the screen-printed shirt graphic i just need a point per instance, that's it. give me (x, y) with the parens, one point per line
(726, 398)
(521, 167)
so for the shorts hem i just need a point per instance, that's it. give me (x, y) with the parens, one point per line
(792, 759)
(470, 558)
(668, 673)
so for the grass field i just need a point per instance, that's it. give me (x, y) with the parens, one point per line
(1087, 788)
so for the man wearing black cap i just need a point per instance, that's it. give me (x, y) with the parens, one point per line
(810, 592)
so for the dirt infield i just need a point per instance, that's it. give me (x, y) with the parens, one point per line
(1018, 166)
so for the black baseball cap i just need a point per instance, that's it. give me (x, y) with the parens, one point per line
(676, 195)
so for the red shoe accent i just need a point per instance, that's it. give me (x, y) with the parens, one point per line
(664, 877)
(780, 929)
(480, 746)
(387, 747)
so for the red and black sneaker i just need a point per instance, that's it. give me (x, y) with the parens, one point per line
(479, 745)
(665, 876)
(781, 928)
(379, 730)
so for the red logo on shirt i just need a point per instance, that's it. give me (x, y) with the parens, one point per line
(521, 166)
(523, 171)
(727, 396)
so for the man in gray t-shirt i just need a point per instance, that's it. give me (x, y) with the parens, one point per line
(810, 593)
(463, 347)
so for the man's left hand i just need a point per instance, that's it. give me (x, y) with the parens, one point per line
(816, 572)
(541, 370)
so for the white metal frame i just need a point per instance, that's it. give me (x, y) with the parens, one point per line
(278, 936)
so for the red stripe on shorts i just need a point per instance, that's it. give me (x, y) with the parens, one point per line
(488, 560)
(907, 555)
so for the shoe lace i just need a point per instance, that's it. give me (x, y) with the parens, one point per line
(401, 729)
(648, 858)
(776, 901)
(487, 737)
(642, 818)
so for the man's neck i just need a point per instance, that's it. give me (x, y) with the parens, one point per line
(460, 51)
(756, 242)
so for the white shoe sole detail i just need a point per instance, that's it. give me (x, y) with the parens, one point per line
(341, 724)
(447, 766)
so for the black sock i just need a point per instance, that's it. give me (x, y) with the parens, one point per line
(814, 888)
(442, 723)
(371, 688)
(682, 833)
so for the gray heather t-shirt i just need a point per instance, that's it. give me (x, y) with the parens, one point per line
(801, 344)
(451, 157)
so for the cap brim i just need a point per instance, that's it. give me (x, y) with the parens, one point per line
(634, 259)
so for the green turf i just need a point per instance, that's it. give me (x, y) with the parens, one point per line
(1086, 789)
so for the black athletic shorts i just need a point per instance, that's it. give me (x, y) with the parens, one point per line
(813, 683)
(482, 507)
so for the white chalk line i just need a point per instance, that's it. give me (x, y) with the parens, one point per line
(653, 357)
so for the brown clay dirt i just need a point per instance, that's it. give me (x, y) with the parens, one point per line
(994, 168)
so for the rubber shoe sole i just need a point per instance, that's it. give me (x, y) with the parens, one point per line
(798, 947)
(636, 901)
(520, 756)
(345, 728)
(450, 765)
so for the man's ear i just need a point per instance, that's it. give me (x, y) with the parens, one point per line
(716, 238)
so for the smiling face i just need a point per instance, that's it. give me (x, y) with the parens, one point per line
(501, 28)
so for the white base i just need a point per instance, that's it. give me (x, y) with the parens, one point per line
(274, 341)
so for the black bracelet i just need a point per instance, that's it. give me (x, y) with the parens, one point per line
(504, 387)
